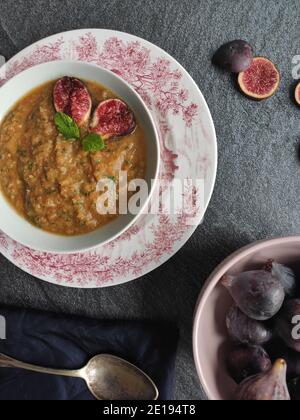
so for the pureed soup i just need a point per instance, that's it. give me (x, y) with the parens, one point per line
(57, 143)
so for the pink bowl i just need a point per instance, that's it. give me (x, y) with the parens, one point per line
(210, 339)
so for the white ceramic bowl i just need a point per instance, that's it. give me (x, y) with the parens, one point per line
(17, 227)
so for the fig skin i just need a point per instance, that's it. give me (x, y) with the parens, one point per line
(285, 275)
(268, 386)
(245, 361)
(297, 94)
(235, 56)
(245, 330)
(258, 294)
(286, 325)
(261, 80)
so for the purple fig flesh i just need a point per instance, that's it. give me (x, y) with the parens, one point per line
(261, 80)
(288, 324)
(245, 361)
(268, 386)
(245, 330)
(258, 294)
(71, 97)
(113, 118)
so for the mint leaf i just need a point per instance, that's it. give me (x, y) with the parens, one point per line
(93, 143)
(67, 126)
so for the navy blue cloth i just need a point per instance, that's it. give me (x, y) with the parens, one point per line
(68, 343)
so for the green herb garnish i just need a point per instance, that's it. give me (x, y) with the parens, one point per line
(93, 143)
(67, 126)
(112, 178)
(70, 130)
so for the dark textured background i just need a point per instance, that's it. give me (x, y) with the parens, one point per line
(258, 188)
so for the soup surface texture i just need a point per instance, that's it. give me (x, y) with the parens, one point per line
(52, 181)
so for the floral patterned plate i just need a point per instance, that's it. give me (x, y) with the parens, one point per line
(189, 151)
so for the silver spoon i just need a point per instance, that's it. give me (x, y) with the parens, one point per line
(107, 377)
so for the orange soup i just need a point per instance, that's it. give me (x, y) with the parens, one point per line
(52, 181)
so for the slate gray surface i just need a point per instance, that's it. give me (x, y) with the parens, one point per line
(258, 189)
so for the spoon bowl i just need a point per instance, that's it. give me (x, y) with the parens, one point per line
(107, 377)
(111, 378)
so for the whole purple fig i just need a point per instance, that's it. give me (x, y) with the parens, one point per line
(285, 275)
(268, 386)
(245, 361)
(245, 330)
(288, 324)
(235, 56)
(258, 294)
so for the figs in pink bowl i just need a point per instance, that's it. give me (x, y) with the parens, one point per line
(211, 342)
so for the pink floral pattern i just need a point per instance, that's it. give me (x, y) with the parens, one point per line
(161, 84)
(41, 54)
(126, 236)
(3, 241)
(156, 82)
(78, 269)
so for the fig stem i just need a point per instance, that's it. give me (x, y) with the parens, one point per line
(279, 366)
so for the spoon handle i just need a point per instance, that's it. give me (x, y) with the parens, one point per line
(8, 362)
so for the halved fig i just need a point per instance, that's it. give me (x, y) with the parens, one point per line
(72, 98)
(260, 80)
(297, 94)
(113, 118)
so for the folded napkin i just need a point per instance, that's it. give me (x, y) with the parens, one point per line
(68, 343)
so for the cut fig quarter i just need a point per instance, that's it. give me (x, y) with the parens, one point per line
(113, 118)
(260, 80)
(297, 94)
(71, 97)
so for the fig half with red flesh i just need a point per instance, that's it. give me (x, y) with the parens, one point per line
(297, 94)
(113, 118)
(260, 80)
(72, 98)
